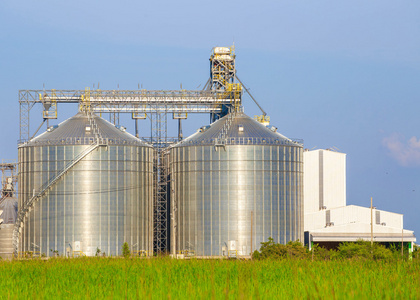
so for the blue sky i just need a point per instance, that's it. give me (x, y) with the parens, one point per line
(342, 74)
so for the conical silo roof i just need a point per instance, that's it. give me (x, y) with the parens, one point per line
(9, 206)
(79, 130)
(237, 128)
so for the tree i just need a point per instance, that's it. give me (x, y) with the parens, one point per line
(416, 251)
(272, 250)
(363, 250)
(126, 250)
(321, 253)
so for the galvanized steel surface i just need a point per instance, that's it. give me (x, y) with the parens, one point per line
(73, 132)
(9, 206)
(215, 189)
(242, 130)
(6, 241)
(103, 201)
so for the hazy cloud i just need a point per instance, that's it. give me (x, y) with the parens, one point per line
(407, 153)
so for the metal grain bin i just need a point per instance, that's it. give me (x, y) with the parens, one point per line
(226, 175)
(102, 198)
(9, 206)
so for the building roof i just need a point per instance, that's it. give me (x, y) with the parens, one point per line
(353, 232)
(237, 128)
(74, 131)
(350, 223)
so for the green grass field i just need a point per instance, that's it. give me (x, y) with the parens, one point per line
(164, 278)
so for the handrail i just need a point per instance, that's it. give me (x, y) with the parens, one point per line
(232, 253)
(243, 141)
(187, 253)
(84, 141)
(140, 253)
(221, 138)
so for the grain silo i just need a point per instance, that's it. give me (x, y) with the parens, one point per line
(9, 206)
(85, 185)
(232, 178)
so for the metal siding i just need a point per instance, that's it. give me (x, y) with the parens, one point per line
(96, 202)
(216, 191)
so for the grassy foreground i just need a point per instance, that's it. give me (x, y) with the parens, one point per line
(164, 278)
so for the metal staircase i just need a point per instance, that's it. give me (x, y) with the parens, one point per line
(221, 138)
(94, 126)
(44, 190)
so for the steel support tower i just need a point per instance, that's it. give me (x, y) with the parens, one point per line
(218, 97)
(222, 76)
(8, 179)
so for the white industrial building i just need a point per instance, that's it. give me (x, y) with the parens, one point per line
(329, 220)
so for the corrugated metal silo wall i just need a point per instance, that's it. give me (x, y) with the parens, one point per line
(103, 201)
(215, 192)
(6, 241)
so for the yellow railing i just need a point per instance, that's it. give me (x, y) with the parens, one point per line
(232, 253)
(78, 254)
(140, 253)
(187, 253)
(85, 105)
(220, 78)
(29, 254)
(234, 89)
(139, 115)
(51, 111)
(233, 92)
(265, 120)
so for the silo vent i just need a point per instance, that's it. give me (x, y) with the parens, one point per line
(120, 127)
(272, 128)
(52, 128)
(88, 128)
(241, 128)
(204, 128)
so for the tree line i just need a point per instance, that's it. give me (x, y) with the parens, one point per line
(347, 250)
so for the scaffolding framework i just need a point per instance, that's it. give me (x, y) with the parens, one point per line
(8, 178)
(222, 68)
(220, 95)
(222, 77)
